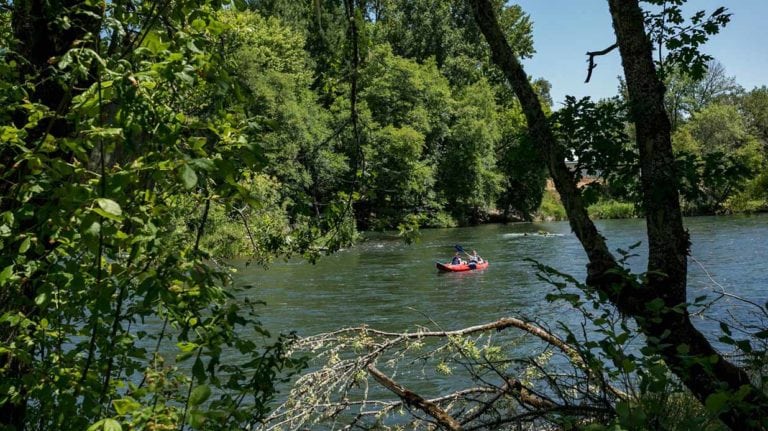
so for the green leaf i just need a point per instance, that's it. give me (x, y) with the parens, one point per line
(106, 425)
(124, 406)
(109, 209)
(6, 274)
(699, 299)
(628, 365)
(655, 305)
(726, 330)
(41, 298)
(196, 419)
(191, 46)
(186, 77)
(622, 409)
(93, 229)
(187, 346)
(188, 177)
(112, 425)
(206, 165)
(199, 395)
(24, 245)
(154, 43)
(198, 370)
(198, 24)
(716, 402)
(216, 27)
(65, 60)
(744, 345)
(106, 132)
(241, 4)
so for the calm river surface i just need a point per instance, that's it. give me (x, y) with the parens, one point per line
(392, 286)
(389, 285)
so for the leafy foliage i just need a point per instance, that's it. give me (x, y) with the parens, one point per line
(716, 157)
(444, 30)
(754, 106)
(682, 38)
(685, 96)
(523, 185)
(91, 250)
(597, 145)
(418, 60)
(293, 130)
(467, 175)
(610, 346)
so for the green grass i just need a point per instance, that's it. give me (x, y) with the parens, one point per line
(551, 208)
(742, 204)
(612, 209)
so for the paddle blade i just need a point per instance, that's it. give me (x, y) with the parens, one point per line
(459, 249)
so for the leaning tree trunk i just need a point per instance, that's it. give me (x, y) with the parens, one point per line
(667, 327)
(667, 239)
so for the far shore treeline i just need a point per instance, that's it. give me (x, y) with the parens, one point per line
(438, 138)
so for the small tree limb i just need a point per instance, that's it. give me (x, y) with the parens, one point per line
(413, 399)
(593, 54)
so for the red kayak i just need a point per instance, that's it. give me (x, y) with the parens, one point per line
(447, 267)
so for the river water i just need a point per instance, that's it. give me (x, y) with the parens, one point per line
(390, 285)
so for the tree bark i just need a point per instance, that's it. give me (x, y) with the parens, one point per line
(413, 399)
(667, 327)
(685, 350)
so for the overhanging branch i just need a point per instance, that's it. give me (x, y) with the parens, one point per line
(593, 54)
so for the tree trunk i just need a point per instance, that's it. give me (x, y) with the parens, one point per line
(667, 328)
(668, 240)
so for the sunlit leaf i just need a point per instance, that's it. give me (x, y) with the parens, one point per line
(199, 395)
(188, 177)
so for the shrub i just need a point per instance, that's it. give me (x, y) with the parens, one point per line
(611, 209)
(551, 208)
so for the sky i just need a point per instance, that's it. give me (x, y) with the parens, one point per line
(564, 30)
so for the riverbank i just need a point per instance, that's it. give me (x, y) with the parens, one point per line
(269, 236)
(551, 208)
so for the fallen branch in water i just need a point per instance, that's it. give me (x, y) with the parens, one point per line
(497, 386)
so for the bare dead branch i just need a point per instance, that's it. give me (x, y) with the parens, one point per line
(414, 399)
(592, 55)
(337, 391)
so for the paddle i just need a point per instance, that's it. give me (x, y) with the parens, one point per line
(461, 250)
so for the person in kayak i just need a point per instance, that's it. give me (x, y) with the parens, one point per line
(475, 258)
(456, 259)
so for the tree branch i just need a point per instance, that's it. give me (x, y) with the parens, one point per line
(593, 54)
(669, 330)
(413, 399)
